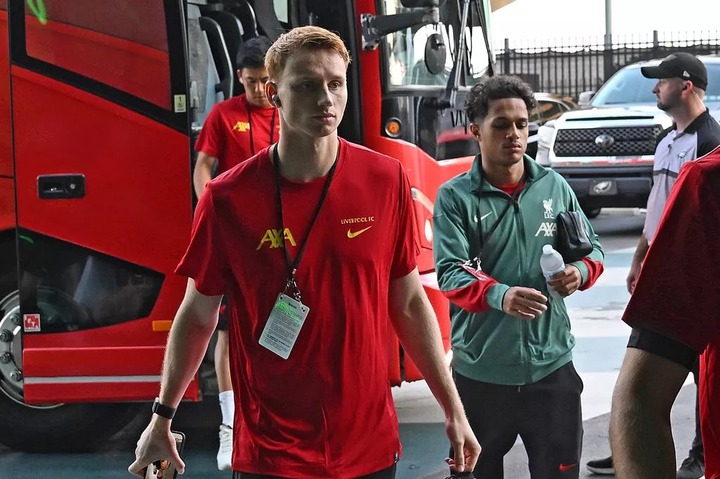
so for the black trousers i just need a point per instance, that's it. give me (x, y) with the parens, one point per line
(547, 415)
(388, 473)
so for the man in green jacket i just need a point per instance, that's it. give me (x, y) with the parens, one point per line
(511, 340)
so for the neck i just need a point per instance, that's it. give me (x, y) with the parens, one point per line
(502, 175)
(305, 159)
(686, 115)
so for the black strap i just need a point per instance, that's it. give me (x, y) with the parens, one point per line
(250, 126)
(292, 266)
(513, 200)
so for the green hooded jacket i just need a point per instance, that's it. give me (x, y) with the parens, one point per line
(489, 345)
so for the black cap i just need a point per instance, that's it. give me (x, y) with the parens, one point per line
(679, 65)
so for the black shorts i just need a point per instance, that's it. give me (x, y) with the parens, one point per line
(222, 324)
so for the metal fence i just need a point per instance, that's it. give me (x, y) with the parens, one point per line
(570, 66)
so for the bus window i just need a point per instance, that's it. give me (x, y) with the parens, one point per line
(405, 49)
(281, 11)
(123, 45)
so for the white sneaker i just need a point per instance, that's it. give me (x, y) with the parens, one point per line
(224, 455)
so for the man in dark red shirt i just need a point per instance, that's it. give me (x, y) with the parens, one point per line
(674, 311)
(240, 127)
(314, 241)
(234, 131)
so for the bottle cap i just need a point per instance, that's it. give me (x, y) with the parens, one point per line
(548, 249)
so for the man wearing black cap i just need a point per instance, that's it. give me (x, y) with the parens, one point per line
(682, 80)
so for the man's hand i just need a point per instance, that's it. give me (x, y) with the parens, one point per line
(566, 282)
(464, 444)
(636, 263)
(156, 443)
(524, 303)
(632, 276)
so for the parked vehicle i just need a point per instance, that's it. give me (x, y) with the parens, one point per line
(605, 151)
(458, 142)
(551, 107)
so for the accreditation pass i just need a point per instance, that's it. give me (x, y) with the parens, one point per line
(283, 326)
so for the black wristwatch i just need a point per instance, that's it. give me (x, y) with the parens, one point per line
(163, 411)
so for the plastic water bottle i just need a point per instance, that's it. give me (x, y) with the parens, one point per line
(551, 263)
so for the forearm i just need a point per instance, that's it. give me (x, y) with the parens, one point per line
(641, 251)
(471, 288)
(418, 331)
(202, 174)
(187, 343)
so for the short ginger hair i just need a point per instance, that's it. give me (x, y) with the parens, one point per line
(311, 37)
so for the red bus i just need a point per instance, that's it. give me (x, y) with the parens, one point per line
(100, 102)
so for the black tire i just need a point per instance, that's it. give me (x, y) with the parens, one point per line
(63, 428)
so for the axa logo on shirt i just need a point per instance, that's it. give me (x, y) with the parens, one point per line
(241, 126)
(275, 239)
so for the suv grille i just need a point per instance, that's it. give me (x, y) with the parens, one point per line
(622, 141)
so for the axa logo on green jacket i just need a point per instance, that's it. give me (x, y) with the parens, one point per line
(274, 238)
(547, 228)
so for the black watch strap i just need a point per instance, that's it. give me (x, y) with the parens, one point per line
(163, 411)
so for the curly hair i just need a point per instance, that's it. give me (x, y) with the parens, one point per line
(496, 87)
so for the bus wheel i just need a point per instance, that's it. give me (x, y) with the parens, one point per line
(48, 427)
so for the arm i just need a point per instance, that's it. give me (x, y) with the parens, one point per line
(462, 284)
(472, 289)
(640, 433)
(187, 342)
(637, 261)
(417, 328)
(202, 174)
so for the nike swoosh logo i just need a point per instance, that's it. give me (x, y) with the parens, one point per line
(567, 467)
(485, 216)
(351, 234)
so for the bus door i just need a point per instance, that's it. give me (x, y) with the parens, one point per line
(102, 180)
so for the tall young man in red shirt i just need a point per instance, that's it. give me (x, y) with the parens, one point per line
(311, 270)
(674, 315)
(234, 131)
(680, 90)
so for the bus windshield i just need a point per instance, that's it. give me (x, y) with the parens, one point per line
(405, 50)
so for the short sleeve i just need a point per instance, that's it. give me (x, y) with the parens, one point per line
(205, 260)
(407, 246)
(677, 293)
(211, 138)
